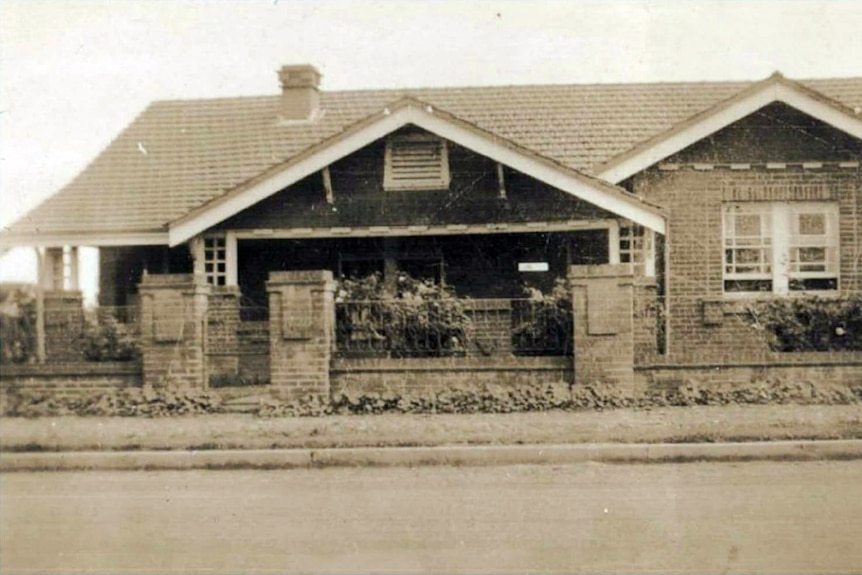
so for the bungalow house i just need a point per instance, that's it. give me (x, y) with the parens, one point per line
(671, 208)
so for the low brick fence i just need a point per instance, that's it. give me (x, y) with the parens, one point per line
(818, 368)
(72, 377)
(401, 375)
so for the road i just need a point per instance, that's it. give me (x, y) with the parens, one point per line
(721, 518)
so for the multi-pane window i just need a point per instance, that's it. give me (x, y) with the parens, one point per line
(813, 261)
(416, 162)
(780, 247)
(636, 248)
(748, 248)
(215, 260)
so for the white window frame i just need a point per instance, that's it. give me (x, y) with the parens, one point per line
(215, 257)
(391, 179)
(778, 241)
(637, 247)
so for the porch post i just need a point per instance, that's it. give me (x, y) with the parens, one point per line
(40, 306)
(602, 296)
(301, 329)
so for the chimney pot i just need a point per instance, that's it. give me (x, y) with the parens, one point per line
(300, 97)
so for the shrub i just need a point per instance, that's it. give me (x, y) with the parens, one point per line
(421, 319)
(544, 324)
(17, 324)
(142, 402)
(812, 324)
(109, 340)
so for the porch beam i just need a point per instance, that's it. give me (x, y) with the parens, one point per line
(441, 230)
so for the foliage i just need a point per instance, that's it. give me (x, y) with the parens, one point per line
(109, 340)
(544, 324)
(420, 319)
(141, 402)
(493, 398)
(17, 324)
(812, 324)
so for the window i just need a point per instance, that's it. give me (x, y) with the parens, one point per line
(215, 260)
(780, 247)
(636, 248)
(416, 162)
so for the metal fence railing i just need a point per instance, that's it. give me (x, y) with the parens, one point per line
(453, 327)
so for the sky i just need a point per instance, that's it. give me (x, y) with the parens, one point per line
(74, 73)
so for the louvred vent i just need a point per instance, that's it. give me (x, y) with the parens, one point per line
(416, 163)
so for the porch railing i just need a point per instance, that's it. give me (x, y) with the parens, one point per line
(461, 327)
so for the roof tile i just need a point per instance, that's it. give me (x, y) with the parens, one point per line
(179, 154)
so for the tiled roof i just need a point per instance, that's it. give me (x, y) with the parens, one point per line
(177, 155)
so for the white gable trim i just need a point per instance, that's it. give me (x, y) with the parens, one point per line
(776, 91)
(559, 177)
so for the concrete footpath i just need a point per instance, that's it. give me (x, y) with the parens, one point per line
(425, 456)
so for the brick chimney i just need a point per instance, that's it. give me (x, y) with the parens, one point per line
(300, 98)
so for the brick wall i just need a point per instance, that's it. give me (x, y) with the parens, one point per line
(253, 344)
(222, 321)
(173, 329)
(816, 369)
(301, 332)
(64, 325)
(71, 377)
(705, 325)
(602, 296)
(416, 375)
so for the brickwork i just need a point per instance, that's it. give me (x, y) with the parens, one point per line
(64, 325)
(647, 315)
(71, 378)
(301, 333)
(704, 324)
(416, 375)
(222, 321)
(602, 296)
(173, 330)
(816, 369)
(253, 342)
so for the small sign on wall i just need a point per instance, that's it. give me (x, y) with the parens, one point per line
(533, 266)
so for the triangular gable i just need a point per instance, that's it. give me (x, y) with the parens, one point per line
(410, 111)
(776, 88)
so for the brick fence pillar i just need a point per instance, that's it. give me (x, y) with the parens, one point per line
(64, 325)
(173, 330)
(604, 344)
(222, 332)
(301, 327)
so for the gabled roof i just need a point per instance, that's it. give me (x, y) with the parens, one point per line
(414, 112)
(776, 88)
(177, 156)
